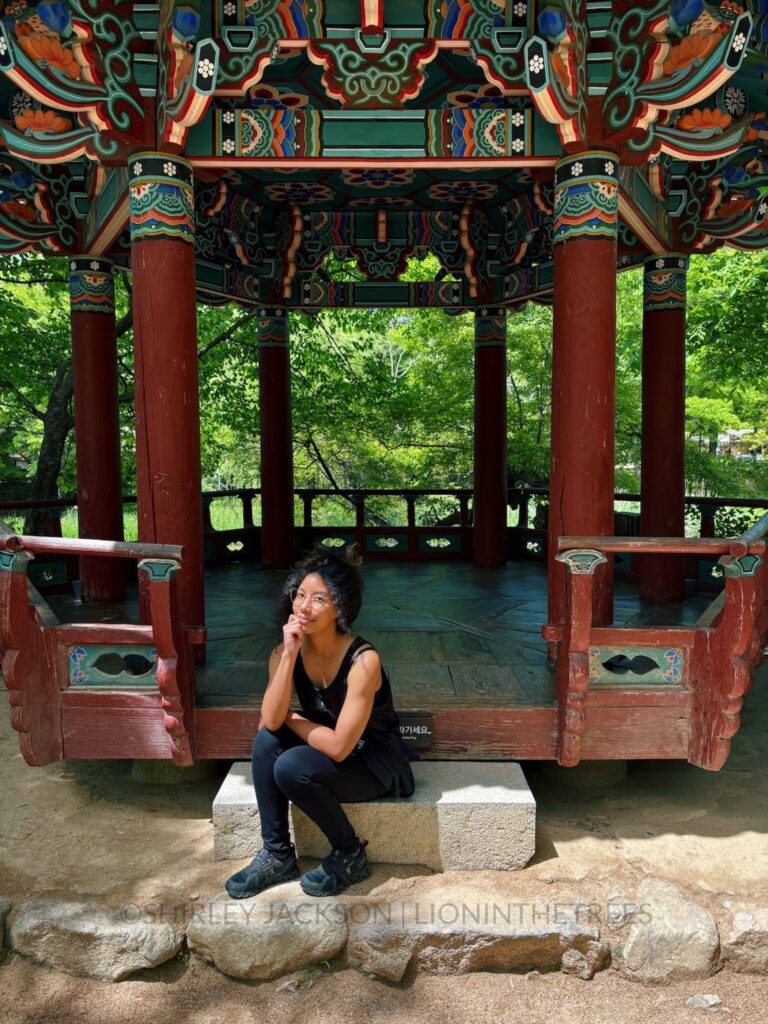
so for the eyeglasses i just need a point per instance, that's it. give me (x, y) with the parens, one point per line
(319, 602)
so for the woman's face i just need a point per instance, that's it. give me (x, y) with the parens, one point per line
(312, 604)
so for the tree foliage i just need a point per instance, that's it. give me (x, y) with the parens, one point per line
(384, 398)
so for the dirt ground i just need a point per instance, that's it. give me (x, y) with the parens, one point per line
(86, 830)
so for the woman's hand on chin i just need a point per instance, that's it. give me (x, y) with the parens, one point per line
(293, 636)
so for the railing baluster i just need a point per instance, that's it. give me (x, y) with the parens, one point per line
(464, 519)
(207, 524)
(246, 497)
(708, 513)
(307, 498)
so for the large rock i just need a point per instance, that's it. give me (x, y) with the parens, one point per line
(278, 931)
(91, 940)
(746, 948)
(671, 939)
(441, 925)
(462, 816)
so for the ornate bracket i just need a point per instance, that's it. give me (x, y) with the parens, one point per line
(36, 207)
(474, 229)
(556, 74)
(289, 228)
(190, 103)
(652, 75)
(77, 58)
(363, 75)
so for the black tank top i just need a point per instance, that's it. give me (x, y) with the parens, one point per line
(381, 747)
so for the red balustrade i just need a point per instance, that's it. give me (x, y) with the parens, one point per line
(55, 713)
(714, 660)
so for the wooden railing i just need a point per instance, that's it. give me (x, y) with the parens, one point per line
(411, 538)
(715, 659)
(62, 678)
(405, 541)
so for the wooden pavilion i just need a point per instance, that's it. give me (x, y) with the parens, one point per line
(220, 150)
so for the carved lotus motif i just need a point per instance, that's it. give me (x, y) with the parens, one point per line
(43, 121)
(700, 119)
(694, 47)
(46, 48)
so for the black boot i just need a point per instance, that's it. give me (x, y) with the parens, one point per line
(265, 870)
(337, 872)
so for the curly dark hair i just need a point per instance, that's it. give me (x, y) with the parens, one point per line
(340, 571)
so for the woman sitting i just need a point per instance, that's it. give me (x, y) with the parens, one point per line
(344, 747)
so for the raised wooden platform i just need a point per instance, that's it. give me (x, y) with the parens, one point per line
(462, 643)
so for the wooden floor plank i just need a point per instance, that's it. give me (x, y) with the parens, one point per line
(460, 646)
(488, 681)
(404, 646)
(423, 683)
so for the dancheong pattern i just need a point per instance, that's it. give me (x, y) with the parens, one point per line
(586, 197)
(490, 328)
(161, 197)
(362, 79)
(268, 132)
(664, 282)
(469, 133)
(274, 330)
(91, 285)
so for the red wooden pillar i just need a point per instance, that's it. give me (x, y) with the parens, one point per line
(165, 345)
(583, 367)
(276, 439)
(97, 436)
(490, 497)
(662, 472)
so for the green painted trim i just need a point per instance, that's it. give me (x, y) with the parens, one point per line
(581, 562)
(83, 668)
(742, 568)
(159, 570)
(668, 666)
(14, 561)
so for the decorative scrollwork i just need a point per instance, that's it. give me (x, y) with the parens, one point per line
(108, 39)
(362, 77)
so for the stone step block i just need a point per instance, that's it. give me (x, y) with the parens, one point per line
(464, 815)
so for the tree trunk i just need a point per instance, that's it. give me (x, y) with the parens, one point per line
(57, 423)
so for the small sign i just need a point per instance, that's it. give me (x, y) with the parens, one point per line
(416, 728)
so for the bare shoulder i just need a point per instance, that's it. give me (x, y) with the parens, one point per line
(368, 657)
(366, 667)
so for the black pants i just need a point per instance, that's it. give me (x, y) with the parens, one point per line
(286, 768)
